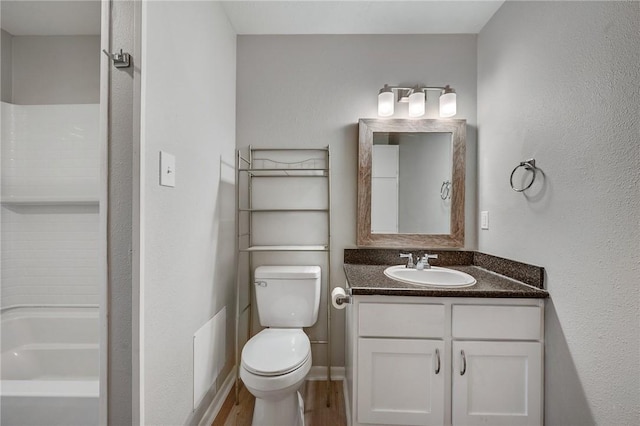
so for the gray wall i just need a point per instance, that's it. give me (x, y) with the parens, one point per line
(425, 165)
(310, 91)
(7, 67)
(122, 241)
(187, 232)
(55, 70)
(559, 81)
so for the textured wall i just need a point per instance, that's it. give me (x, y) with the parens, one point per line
(559, 81)
(188, 232)
(56, 70)
(123, 149)
(310, 91)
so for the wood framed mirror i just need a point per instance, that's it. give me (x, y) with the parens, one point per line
(411, 183)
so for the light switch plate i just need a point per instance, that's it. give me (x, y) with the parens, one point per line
(167, 169)
(484, 220)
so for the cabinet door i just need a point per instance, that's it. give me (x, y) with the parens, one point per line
(401, 381)
(497, 383)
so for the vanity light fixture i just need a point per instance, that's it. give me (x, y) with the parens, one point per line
(416, 103)
(386, 101)
(416, 97)
(448, 102)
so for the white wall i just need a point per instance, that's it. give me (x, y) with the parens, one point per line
(55, 70)
(50, 152)
(188, 232)
(50, 144)
(49, 250)
(559, 81)
(310, 91)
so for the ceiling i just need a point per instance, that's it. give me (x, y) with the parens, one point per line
(360, 17)
(27, 17)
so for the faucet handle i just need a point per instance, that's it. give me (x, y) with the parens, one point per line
(425, 259)
(410, 257)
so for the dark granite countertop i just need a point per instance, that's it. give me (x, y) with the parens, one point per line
(370, 280)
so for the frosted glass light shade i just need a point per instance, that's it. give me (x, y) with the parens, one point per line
(416, 103)
(386, 102)
(448, 104)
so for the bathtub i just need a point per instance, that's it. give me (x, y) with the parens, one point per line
(50, 366)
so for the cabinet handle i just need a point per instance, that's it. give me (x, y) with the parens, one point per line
(438, 360)
(464, 363)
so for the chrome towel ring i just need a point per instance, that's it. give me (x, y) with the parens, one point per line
(528, 165)
(445, 190)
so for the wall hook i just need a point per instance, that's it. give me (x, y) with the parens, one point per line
(120, 60)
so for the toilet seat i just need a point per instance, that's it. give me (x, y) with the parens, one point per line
(274, 352)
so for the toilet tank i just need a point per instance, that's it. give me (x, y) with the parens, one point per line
(287, 296)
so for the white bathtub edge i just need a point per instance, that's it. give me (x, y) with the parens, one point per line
(50, 388)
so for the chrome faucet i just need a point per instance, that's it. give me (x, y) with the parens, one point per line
(410, 256)
(423, 263)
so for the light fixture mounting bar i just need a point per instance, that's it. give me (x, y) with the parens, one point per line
(415, 88)
(403, 93)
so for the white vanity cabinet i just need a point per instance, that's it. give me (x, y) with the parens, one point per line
(444, 361)
(400, 363)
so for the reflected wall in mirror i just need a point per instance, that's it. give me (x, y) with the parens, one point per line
(411, 183)
(401, 195)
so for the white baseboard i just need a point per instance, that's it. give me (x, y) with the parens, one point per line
(319, 372)
(215, 406)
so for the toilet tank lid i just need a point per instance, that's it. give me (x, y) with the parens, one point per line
(287, 272)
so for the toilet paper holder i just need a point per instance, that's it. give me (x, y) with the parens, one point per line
(340, 297)
(340, 300)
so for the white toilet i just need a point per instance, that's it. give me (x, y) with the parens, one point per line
(275, 362)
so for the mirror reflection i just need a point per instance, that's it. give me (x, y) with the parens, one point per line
(411, 183)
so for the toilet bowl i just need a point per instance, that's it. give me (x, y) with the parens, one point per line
(275, 362)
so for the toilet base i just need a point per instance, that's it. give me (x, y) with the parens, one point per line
(288, 411)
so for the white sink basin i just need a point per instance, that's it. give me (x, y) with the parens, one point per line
(434, 277)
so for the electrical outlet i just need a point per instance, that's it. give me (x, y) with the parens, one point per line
(484, 220)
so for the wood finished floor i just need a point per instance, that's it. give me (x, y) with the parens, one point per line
(316, 412)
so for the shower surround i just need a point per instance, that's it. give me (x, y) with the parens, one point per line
(50, 264)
